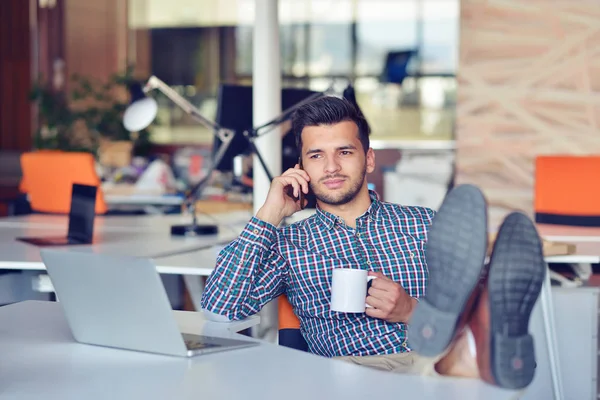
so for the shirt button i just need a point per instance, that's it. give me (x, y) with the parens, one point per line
(255, 231)
(358, 234)
(412, 255)
(369, 262)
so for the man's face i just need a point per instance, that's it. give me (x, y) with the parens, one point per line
(334, 158)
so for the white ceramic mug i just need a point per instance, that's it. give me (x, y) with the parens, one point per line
(349, 290)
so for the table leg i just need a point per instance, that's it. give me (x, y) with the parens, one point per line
(564, 281)
(582, 270)
(195, 286)
(267, 329)
(551, 341)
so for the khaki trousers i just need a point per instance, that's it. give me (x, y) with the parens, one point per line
(402, 363)
(405, 363)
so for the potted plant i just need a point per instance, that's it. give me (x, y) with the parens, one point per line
(56, 121)
(89, 118)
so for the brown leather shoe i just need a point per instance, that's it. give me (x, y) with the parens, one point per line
(455, 254)
(505, 349)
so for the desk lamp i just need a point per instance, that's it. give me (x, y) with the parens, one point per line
(143, 109)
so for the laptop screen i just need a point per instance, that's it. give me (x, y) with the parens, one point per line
(82, 213)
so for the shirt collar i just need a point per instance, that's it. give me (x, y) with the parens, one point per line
(372, 212)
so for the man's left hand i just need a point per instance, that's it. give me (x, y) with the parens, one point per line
(389, 300)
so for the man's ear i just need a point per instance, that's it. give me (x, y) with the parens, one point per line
(370, 160)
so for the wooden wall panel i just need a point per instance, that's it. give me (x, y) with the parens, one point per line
(50, 47)
(91, 35)
(140, 53)
(15, 75)
(529, 84)
(96, 37)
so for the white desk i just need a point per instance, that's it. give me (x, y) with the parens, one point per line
(564, 233)
(130, 223)
(141, 236)
(23, 256)
(198, 262)
(151, 204)
(148, 236)
(143, 200)
(586, 253)
(204, 260)
(41, 360)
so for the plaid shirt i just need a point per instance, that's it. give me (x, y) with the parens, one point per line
(265, 262)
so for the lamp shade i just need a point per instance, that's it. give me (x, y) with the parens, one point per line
(142, 110)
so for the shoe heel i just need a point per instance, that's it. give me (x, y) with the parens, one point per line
(431, 330)
(514, 361)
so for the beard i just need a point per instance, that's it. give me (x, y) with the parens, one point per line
(339, 198)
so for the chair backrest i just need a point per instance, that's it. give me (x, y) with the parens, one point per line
(289, 326)
(566, 190)
(395, 68)
(48, 178)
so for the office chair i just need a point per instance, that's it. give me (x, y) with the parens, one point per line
(566, 193)
(289, 326)
(395, 69)
(566, 190)
(48, 177)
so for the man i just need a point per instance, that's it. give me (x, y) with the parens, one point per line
(352, 228)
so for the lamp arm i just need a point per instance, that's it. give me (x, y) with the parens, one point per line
(286, 113)
(253, 134)
(155, 83)
(224, 134)
(195, 192)
(254, 149)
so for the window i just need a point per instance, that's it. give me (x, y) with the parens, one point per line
(319, 40)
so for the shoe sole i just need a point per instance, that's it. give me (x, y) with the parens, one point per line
(516, 274)
(455, 254)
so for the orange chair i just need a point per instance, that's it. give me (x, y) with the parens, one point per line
(289, 326)
(48, 177)
(566, 190)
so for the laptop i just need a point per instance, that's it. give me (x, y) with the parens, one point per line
(120, 302)
(81, 220)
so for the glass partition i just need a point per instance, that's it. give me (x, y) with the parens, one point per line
(195, 45)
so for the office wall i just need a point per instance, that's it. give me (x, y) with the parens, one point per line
(96, 36)
(529, 84)
(15, 75)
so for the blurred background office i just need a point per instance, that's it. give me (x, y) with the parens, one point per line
(399, 55)
(526, 88)
(195, 45)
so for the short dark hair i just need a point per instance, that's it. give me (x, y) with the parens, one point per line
(329, 110)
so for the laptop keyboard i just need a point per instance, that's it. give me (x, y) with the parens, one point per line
(196, 343)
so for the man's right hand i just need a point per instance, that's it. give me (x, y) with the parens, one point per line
(283, 197)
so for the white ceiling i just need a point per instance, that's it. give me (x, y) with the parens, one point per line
(179, 13)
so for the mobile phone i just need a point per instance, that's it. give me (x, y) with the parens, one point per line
(301, 193)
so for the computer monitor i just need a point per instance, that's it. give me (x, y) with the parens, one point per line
(234, 111)
(396, 66)
(175, 53)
